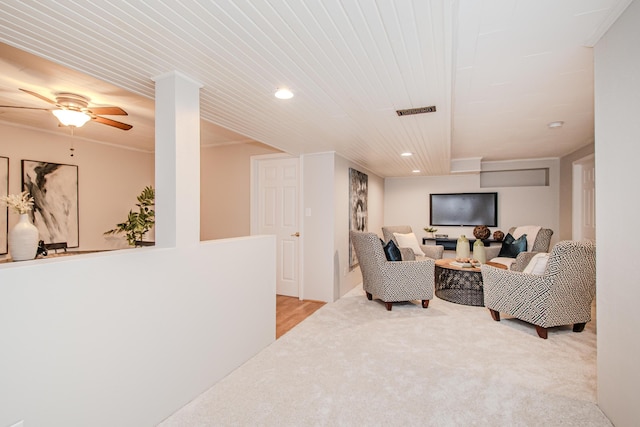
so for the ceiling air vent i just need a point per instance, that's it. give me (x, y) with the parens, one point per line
(420, 110)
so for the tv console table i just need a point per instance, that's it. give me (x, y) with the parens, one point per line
(450, 244)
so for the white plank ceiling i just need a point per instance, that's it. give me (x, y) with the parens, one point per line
(498, 71)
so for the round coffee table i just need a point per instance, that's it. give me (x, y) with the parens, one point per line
(461, 285)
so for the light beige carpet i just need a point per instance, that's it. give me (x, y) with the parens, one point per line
(352, 363)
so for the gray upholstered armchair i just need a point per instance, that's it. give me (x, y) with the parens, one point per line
(392, 281)
(561, 296)
(431, 251)
(541, 244)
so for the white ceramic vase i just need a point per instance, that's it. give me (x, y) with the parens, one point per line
(462, 247)
(479, 252)
(23, 239)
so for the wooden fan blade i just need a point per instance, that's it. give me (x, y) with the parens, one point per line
(37, 95)
(109, 111)
(110, 122)
(24, 108)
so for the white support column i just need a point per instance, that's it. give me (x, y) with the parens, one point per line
(177, 174)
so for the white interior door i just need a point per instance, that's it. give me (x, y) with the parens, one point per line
(278, 212)
(584, 201)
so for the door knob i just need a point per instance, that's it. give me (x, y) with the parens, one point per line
(296, 234)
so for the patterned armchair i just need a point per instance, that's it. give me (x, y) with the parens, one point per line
(541, 244)
(561, 296)
(392, 281)
(431, 251)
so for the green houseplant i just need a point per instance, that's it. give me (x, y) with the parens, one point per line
(138, 223)
(430, 231)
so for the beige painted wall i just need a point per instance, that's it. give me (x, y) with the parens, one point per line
(407, 199)
(125, 338)
(326, 274)
(85, 336)
(375, 213)
(225, 189)
(318, 247)
(110, 178)
(617, 148)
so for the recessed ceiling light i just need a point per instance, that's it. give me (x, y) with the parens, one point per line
(284, 93)
(416, 171)
(555, 125)
(406, 154)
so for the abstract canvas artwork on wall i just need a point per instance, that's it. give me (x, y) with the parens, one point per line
(54, 188)
(358, 188)
(4, 212)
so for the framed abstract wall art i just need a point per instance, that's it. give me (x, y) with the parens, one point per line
(54, 188)
(358, 190)
(4, 211)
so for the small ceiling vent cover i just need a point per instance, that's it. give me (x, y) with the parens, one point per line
(420, 110)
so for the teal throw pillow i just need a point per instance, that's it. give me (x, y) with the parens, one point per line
(391, 251)
(512, 247)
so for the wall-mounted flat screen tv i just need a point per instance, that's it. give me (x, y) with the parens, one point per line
(469, 209)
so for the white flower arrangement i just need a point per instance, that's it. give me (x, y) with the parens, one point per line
(21, 203)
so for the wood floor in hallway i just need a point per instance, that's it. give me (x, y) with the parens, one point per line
(290, 311)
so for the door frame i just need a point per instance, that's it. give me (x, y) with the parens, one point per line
(576, 202)
(254, 194)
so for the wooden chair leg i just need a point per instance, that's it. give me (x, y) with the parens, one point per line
(542, 332)
(495, 315)
(425, 303)
(578, 327)
(369, 296)
(388, 305)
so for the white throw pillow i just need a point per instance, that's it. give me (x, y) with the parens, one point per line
(409, 241)
(537, 265)
(504, 261)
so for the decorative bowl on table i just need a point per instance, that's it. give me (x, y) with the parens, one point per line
(466, 263)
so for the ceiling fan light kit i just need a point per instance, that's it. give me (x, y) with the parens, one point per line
(71, 117)
(73, 110)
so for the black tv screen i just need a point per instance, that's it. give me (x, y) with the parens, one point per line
(468, 209)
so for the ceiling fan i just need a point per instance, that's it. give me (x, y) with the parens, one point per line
(72, 110)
